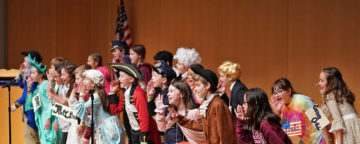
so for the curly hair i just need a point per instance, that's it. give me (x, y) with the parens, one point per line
(337, 86)
(231, 69)
(187, 56)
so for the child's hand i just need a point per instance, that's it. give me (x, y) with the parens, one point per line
(173, 113)
(114, 86)
(13, 108)
(276, 104)
(55, 126)
(47, 124)
(239, 112)
(29, 80)
(150, 88)
(80, 130)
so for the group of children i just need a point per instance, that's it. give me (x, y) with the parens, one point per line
(165, 104)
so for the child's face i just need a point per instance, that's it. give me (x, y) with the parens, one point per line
(190, 79)
(157, 79)
(125, 80)
(134, 57)
(52, 70)
(224, 80)
(201, 88)
(57, 78)
(26, 63)
(322, 84)
(88, 84)
(174, 96)
(35, 75)
(78, 78)
(282, 95)
(92, 63)
(65, 76)
(181, 68)
(117, 54)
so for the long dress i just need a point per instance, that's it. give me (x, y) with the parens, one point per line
(344, 117)
(42, 114)
(108, 128)
(73, 137)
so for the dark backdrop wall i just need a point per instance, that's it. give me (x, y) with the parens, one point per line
(3, 52)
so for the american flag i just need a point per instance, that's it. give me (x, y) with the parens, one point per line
(293, 128)
(122, 31)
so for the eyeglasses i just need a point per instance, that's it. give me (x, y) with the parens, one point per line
(278, 92)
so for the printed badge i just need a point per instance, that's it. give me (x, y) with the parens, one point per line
(317, 117)
(36, 102)
(292, 128)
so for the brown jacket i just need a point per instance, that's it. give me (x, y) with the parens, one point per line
(218, 126)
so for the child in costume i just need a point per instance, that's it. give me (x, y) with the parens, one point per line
(137, 57)
(230, 76)
(108, 129)
(75, 136)
(180, 97)
(163, 74)
(43, 117)
(95, 61)
(118, 50)
(30, 128)
(338, 103)
(216, 120)
(256, 122)
(186, 59)
(133, 104)
(291, 107)
(61, 97)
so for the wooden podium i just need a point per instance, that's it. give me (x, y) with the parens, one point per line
(17, 125)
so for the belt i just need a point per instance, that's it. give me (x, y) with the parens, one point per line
(350, 116)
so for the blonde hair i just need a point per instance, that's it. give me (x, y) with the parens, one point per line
(231, 69)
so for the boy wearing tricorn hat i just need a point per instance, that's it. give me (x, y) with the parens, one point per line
(134, 104)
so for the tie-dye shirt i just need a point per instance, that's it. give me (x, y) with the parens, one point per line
(294, 114)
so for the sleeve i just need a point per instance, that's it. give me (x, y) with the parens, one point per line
(45, 103)
(143, 114)
(273, 134)
(116, 106)
(81, 107)
(244, 136)
(190, 124)
(224, 124)
(337, 122)
(22, 99)
(151, 107)
(161, 122)
(22, 84)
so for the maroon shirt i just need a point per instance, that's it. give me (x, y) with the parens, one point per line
(268, 133)
(146, 70)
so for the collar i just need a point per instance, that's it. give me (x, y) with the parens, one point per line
(204, 106)
(232, 85)
(185, 75)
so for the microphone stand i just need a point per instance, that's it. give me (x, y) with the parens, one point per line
(91, 93)
(8, 85)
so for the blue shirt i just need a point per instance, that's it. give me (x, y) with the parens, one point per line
(30, 115)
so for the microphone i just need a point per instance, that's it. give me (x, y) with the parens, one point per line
(12, 81)
(91, 93)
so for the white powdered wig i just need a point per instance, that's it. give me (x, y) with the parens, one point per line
(187, 56)
(95, 76)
